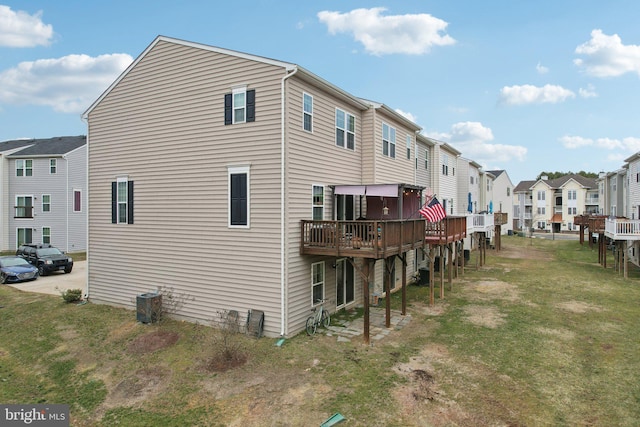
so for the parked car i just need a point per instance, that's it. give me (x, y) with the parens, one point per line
(46, 258)
(14, 269)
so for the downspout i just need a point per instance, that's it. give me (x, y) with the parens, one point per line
(283, 252)
(66, 167)
(86, 240)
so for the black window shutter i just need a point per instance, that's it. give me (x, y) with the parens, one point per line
(114, 202)
(239, 199)
(129, 202)
(251, 105)
(228, 109)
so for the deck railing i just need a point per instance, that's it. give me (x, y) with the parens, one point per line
(450, 229)
(479, 223)
(366, 239)
(500, 218)
(596, 224)
(622, 228)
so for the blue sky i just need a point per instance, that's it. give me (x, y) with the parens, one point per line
(514, 85)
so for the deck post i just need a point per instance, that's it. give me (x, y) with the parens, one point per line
(451, 253)
(442, 253)
(432, 253)
(388, 262)
(403, 258)
(365, 291)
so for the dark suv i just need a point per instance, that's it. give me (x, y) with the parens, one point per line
(46, 258)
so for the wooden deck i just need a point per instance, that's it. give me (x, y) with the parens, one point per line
(361, 239)
(500, 218)
(451, 229)
(622, 229)
(596, 224)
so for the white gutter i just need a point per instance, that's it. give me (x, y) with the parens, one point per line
(283, 252)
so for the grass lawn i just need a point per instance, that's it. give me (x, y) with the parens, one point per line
(540, 335)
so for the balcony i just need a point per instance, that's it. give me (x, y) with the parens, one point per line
(480, 223)
(361, 239)
(500, 218)
(449, 230)
(622, 229)
(23, 212)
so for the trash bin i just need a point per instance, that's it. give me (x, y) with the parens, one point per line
(509, 232)
(148, 307)
(424, 276)
(467, 255)
(436, 264)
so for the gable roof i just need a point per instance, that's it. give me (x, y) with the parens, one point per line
(496, 173)
(287, 66)
(524, 186)
(56, 146)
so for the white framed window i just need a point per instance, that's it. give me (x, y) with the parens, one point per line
(53, 166)
(307, 112)
(77, 200)
(46, 235)
(24, 167)
(445, 165)
(388, 141)
(345, 130)
(239, 197)
(24, 236)
(122, 200)
(572, 195)
(542, 211)
(541, 195)
(24, 206)
(317, 201)
(426, 159)
(317, 282)
(409, 143)
(46, 203)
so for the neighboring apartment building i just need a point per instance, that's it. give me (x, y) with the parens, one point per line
(468, 199)
(44, 185)
(551, 205)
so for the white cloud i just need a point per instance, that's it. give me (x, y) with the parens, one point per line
(541, 69)
(606, 56)
(406, 115)
(473, 140)
(19, 29)
(529, 94)
(628, 144)
(68, 84)
(589, 92)
(413, 34)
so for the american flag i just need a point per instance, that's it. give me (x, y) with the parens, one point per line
(433, 211)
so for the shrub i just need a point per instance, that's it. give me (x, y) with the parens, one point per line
(72, 295)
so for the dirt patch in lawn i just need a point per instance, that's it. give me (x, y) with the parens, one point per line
(152, 341)
(487, 290)
(578, 307)
(486, 316)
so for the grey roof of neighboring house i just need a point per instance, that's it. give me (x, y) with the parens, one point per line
(496, 173)
(56, 146)
(558, 182)
(523, 186)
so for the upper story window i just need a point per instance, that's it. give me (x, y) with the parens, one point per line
(508, 191)
(46, 203)
(239, 197)
(24, 167)
(541, 195)
(240, 106)
(426, 159)
(318, 202)
(122, 201)
(24, 207)
(53, 166)
(388, 141)
(409, 143)
(445, 164)
(345, 129)
(77, 200)
(307, 112)
(572, 195)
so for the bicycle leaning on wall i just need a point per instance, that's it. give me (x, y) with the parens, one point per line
(319, 317)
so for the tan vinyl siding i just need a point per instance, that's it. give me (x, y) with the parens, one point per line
(163, 127)
(398, 169)
(313, 159)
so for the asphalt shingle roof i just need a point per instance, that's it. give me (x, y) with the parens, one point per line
(44, 147)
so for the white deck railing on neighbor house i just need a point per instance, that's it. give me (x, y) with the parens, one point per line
(479, 223)
(622, 229)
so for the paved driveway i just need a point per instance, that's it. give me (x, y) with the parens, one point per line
(57, 282)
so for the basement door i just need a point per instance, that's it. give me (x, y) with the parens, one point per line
(345, 283)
